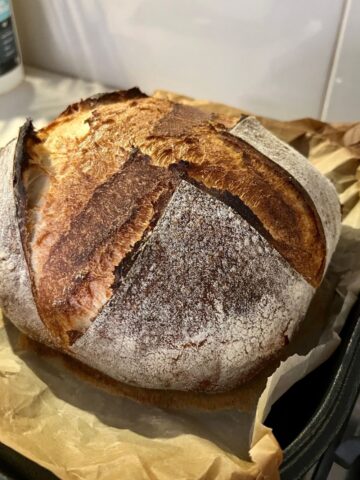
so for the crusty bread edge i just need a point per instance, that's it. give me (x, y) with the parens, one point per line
(16, 295)
(320, 190)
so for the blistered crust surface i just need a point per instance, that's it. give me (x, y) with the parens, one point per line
(320, 189)
(207, 301)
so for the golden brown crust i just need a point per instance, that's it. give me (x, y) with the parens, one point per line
(77, 276)
(75, 243)
(284, 210)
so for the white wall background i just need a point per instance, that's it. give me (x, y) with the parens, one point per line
(281, 58)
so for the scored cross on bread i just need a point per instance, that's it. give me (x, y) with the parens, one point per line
(164, 246)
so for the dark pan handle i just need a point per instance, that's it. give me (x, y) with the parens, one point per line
(322, 434)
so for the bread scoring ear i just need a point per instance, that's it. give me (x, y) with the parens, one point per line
(315, 186)
(16, 294)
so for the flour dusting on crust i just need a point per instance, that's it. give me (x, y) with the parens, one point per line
(207, 301)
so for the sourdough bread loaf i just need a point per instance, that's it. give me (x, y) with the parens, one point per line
(164, 246)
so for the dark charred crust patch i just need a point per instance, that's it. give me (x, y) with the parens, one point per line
(73, 335)
(104, 99)
(125, 265)
(181, 169)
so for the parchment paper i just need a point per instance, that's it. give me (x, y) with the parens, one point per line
(56, 416)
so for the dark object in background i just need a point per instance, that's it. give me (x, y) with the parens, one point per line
(318, 408)
(11, 69)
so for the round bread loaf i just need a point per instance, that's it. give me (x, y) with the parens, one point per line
(166, 247)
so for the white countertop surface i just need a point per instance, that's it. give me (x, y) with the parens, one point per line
(41, 96)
